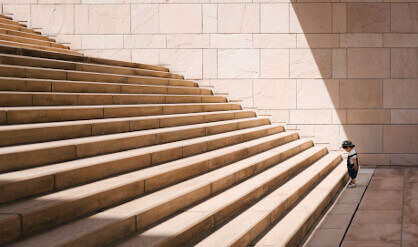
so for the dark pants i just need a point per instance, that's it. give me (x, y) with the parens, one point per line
(352, 172)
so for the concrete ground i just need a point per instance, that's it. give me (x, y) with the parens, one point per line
(382, 211)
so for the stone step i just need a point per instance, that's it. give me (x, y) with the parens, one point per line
(66, 86)
(24, 34)
(291, 229)
(11, 22)
(59, 74)
(78, 66)
(42, 132)
(30, 155)
(245, 228)
(29, 182)
(20, 115)
(198, 220)
(145, 208)
(8, 98)
(18, 28)
(36, 47)
(75, 57)
(6, 17)
(25, 40)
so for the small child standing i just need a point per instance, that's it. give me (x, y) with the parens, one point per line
(352, 162)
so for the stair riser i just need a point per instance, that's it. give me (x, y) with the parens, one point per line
(11, 22)
(64, 211)
(28, 99)
(65, 152)
(24, 34)
(18, 28)
(75, 130)
(37, 47)
(31, 41)
(57, 115)
(39, 73)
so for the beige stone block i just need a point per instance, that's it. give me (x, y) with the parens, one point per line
(367, 138)
(310, 63)
(180, 18)
(274, 63)
(238, 63)
(146, 56)
(365, 93)
(109, 19)
(238, 18)
(404, 159)
(374, 159)
(118, 54)
(339, 63)
(81, 18)
(274, 41)
(310, 117)
(318, 40)
(407, 116)
(102, 41)
(400, 40)
(315, 94)
(404, 62)
(404, 17)
(144, 41)
(144, 18)
(210, 18)
(368, 116)
(339, 116)
(231, 40)
(74, 41)
(368, 17)
(274, 94)
(361, 40)
(210, 63)
(20, 12)
(188, 41)
(399, 93)
(277, 116)
(275, 18)
(310, 18)
(145, 1)
(339, 17)
(183, 61)
(368, 63)
(237, 89)
(54, 19)
(322, 134)
(400, 139)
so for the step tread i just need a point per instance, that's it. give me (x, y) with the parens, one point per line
(37, 47)
(292, 223)
(107, 94)
(28, 40)
(260, 213)
(20, 33)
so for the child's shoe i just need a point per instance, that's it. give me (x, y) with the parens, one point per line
(352, 186)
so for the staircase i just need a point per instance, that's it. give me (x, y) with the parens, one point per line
(97, 152)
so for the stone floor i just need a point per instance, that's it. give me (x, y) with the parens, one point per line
(385, 208)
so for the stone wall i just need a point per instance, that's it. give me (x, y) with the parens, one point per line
(330, 70)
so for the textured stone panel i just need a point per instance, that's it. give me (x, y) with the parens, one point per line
(81, 18)
(368, 63)
(339, 18)
(367, 138)
(54, 19)
(144, 41)
(238, 18)
(368, 116)
(210, 18)
(274, 40)
(188, 41)
(365, 93)
(180, 18)
(400, 40)
(407, 116)
(404, 159)
(323, 134)
(317, 94)
(400, 139)
(277, 116)
(210, 63)
(187, 62)
(147, 56)
(274, 63)
(237, 89)
(102, 41)
(375, 160)
(118, 54)
(404, 17)
(339, 63)
(109, 19)
(274, 93)
(238, 63)
(404, 62)
(310, 63)
(231, 40)
(310, 117)
(275, 18)
(144, 18)
(361, 40)
(318, 40)
(74, 41)
(399, 93)
(310, 18)
(368, 17)
(20, 12)
(339, 116)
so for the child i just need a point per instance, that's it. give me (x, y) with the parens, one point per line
(352, 162)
